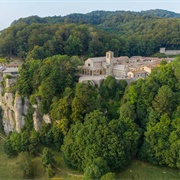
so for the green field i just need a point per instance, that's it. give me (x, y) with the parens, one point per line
(8, 166)
(136, 170)
(143, 171)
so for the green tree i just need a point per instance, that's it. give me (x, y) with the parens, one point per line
(108, 176)
(15, 139)
(57, 136)
(61, 110)
(99, 137)
(47, 157)
(127, 111)
(163, 62)
(96, 169)
(49, 171)
(45, 134)
(173, 157)
(8, 149)
(38, 53)
(73, 46)
(24, 141)
(84, 101)
(164, 101)
(110, 85)
(157, 138)
(34, 142)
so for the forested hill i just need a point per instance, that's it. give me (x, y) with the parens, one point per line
(91, 34)
(161, 13)
(96, 17)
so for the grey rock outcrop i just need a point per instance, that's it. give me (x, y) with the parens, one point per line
(36, 120)
(9, 82)
(8, 120)
(26, 106)
(8, 100)
(15, 108)
(18, 109)
(46, 118)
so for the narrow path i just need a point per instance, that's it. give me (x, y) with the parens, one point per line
(70, 174)
(62, 170)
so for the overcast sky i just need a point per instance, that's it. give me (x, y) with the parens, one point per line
(11, 10)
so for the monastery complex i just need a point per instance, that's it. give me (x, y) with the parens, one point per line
(98, 68)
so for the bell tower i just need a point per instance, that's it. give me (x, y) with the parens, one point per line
(109, 56)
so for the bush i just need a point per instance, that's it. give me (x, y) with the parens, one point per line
(109, 176)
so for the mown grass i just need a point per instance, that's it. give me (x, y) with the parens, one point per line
(137, 170)
(8, 166)
(63, 172)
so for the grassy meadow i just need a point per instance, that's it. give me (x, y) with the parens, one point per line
(143, 171)
(8, 166)
(137, 170)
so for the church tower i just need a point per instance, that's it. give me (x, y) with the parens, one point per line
(109, 56)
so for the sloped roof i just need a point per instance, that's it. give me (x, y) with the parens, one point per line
(119, 67)
(137, 72)
(13, 65)
(135, 57)
(9, 70)
(97, 59)
(123, 58)
(92, 68)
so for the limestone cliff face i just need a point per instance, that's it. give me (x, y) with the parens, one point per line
(8, 120)
(26, 106)
(18, 109)
(13, 113)
(46, 118)
(36, 120)
(14, 108)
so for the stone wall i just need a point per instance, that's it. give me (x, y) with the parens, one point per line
(172, 52)
(169, 52)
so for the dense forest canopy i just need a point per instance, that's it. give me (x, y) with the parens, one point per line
(161, 13)
(154, 103)
(91, 34)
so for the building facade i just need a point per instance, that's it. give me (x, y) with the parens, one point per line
(98, 68)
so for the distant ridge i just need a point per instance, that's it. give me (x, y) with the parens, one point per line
(95, 17)
(161, 13)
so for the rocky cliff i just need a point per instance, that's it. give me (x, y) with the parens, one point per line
(13, 111)
(15, 108)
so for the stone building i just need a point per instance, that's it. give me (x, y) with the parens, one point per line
(137, 74)
(135, 59)
(169, 52)
(10, 71)
(108, 65)
(120, 71)
(98, 68)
